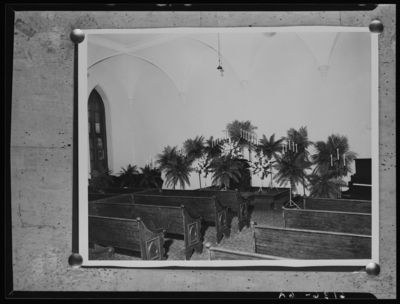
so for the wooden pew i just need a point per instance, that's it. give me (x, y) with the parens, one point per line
(231, 198)
(344, 205)
(215, 253)
(335, 221)
(208, 208)
(131, 234)
(175, 220)
(119, 198)
(98, 196)
(310, 244)
(123, 190)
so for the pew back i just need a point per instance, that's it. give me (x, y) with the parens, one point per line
(215, 253)
(311, 244)
(131, 234)
(335, 221)
(344, 205)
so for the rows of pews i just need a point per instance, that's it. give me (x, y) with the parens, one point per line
(139, 219)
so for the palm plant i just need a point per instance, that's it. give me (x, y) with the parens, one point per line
(300, 139)
(101, 180)
(225, 168)
(194, 148)
(270, 148)
(291, 168)
(326, 156)
(324, 184)
(210, 149)
(128, 176)
(177, 171)
(150, 177)
(162, 159)
(334, 154)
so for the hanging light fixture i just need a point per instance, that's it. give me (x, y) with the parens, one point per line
(220, 58)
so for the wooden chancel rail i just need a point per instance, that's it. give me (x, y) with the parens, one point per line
(208, 208)
(131, 234)
(334, 221)
(172, 219)
(231, 198)
(215, 253)
(310, 244)
(344, 205)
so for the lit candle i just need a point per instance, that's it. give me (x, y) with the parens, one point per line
(293, 145)
(331, 161)
(296, 147)
(283, 148)
(337, 153)
(289, 144)
(344, 160)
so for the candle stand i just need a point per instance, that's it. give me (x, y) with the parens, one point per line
(289, 153)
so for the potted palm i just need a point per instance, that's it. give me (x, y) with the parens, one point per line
(128, 176)
(100, 180)
(151, 177)
(176, 167)
(333, 155)
(227, 166)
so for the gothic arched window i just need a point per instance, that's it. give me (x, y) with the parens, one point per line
(97, 132)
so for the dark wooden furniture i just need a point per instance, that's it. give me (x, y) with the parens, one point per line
(310, 244)
(208, 208)
(175, 220)
(215, 253)
(123, 190)
(131, 234)
(343, 205)
(99, 196)
(335, 221)
(231, 198)
(274, 198)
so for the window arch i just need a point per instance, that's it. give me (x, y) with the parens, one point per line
(97, 132)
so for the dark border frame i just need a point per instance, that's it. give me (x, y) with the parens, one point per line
(9, 12)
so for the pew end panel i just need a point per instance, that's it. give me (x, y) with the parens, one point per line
(222, 224)
(152, 242)
(192, 234)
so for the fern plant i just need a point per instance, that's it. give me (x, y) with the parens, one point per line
(101, 180)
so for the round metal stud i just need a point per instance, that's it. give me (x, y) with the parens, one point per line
(77, 36)
(75, 260)
(376, 27)
(373, 269)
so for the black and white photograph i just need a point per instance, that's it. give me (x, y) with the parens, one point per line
(228, 147)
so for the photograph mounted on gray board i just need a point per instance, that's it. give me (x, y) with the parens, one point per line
(228, 147)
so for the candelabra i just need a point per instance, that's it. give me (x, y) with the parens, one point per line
(289, 150)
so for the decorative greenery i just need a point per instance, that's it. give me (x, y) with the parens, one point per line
(291, 168)
(194, 148)
(150, 177)
(101, 180)
(128, 176)
(225, 168)
(322, 158)
(235, 128)
(325, 184)
(300, 138)
(177, 168)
